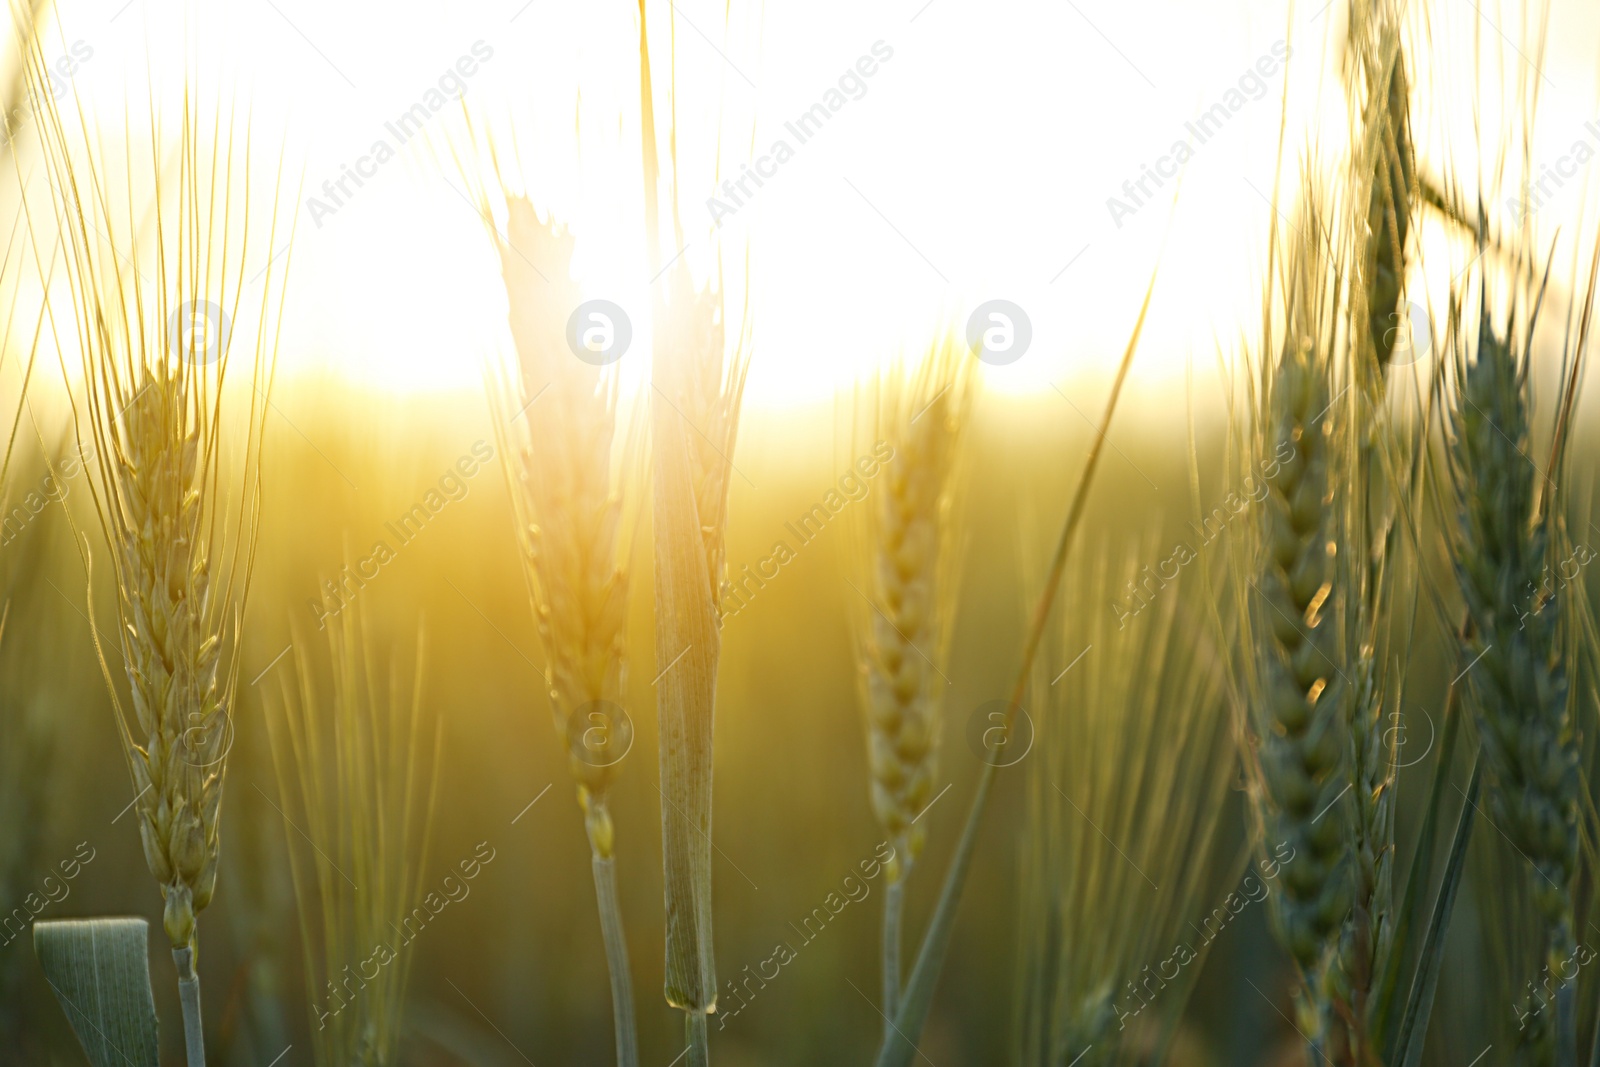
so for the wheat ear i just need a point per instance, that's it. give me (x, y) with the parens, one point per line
(158, 331)
(908, 581)
(557, 423)
(1505, 525)
(1381, 478)
(1297, 692)
(1387, 160)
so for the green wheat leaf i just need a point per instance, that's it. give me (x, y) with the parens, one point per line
(100, 971)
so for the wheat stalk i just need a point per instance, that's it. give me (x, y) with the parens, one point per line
(1133, 762)
(557, 423)
(697, 388)
(908, 576)
(697, 382)
(181, 552)
(361, 778)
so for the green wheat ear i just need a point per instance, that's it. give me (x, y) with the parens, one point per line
(1291, 601)
(1504, 528)
(1300, 719)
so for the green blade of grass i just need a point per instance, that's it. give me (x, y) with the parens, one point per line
(1419, 1006)
(899, 1045)
(1384, 1022)
(100, 971)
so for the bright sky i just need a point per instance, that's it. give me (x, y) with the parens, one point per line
(969, 155)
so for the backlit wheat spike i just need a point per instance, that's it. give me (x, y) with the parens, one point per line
(173, 656)
(557, 423)
(569, 505)
(908, 554)
(911, 544)
(158, 329)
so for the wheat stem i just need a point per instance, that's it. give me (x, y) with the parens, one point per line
(893, 910)
(699, 1048)
(605, 889)
(194, 1041)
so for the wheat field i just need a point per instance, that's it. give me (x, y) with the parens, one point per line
(673, 533)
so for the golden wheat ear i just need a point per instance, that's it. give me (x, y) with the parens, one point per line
(905, 555)
(164, 309)
(574, 488)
